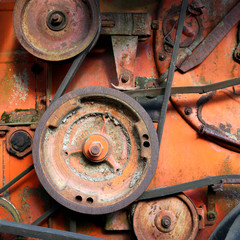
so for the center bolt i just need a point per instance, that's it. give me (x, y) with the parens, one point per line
(95, 149)
(166, 221)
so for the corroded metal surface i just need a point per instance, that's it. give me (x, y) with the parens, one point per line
(125, 50)
(66, 160)
(126, 24)
(212, 117)
(118, 221)
(56, 30)
(213, 39)
(168, 218)
(191, 29)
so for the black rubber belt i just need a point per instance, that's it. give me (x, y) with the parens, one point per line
(70, 74)
(171, 70)
(153, 92)
(175, 189)
(41, 232)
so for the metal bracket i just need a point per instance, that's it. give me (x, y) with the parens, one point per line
(125, 50)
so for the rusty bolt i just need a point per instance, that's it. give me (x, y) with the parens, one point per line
(211, 216)
(166, 221)
(20, 141)
(188, 110)
(95, 149)
(161, 56)
(125, 78)
(155, 25)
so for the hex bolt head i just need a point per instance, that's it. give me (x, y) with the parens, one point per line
(20, 141)
(95, 149)
(166, 221)
(188, 110)
(211, 216)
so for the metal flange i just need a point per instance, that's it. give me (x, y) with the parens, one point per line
(95, 150)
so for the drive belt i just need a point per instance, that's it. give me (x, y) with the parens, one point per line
(154, 92)
(218, 181)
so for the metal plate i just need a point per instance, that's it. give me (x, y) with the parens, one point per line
(89, 181)
(167, 218)
(56, 30)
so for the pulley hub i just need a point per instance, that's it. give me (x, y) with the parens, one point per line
(57, 20)
(95, 150)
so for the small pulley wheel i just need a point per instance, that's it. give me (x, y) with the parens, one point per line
(56, 30)
(166, 218)
(95, 150)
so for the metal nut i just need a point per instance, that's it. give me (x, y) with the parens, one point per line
(95, 149)
(20, 141)
(166, 221)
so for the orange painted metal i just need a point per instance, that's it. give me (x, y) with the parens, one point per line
(184, 155)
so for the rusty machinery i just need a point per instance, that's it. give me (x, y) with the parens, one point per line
(95, 149)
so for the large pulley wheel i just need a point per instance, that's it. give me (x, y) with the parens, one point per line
(95, 150)
(56, 29)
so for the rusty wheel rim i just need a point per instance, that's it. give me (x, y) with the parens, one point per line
(56, 30)
(126, 163)
(166, 218)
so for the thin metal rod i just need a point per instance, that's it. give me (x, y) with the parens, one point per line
(171, 70)
(21, 175)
